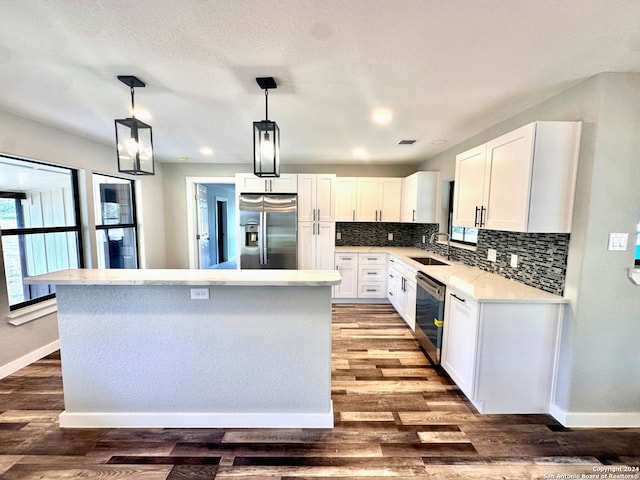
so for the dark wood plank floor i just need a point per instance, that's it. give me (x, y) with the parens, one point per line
(395, 416)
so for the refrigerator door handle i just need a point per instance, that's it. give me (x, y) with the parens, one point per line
(261, 238)
(265, 259)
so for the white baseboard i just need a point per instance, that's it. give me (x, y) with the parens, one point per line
(28, 359)
(195, 420)
(595, 419)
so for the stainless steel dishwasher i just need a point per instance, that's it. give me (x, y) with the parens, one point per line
(430, 297)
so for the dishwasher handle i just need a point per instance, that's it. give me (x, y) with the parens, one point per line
(431, 286)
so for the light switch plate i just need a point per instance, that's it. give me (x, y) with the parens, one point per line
(618, 241)
(492, 254)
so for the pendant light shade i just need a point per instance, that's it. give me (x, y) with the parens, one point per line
(134, 139)
(266, 138)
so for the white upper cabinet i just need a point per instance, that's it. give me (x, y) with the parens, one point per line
(249, 183)
(523, 181)
(316, 197)
(420, 198)
(368, 199)
(346, 189)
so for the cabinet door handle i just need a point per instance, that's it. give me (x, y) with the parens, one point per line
(313, 214)
(413, 218)
(380, 215)
(318, 214)
(458, 298)
(371, 289)
(318, 228)
(482, 210)
(371, 273)
(353, 215)
(475, 218)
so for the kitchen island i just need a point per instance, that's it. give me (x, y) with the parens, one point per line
(195, 348)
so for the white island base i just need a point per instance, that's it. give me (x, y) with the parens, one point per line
(254, 354)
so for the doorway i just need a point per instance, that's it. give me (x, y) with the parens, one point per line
(211, 204)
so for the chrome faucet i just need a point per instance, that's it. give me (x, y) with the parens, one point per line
(436, 235)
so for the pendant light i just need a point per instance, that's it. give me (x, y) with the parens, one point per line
(134, 140)
(266, 137)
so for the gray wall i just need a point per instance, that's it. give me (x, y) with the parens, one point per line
(599, 366)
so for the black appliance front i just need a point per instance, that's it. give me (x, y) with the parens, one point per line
(430, 297)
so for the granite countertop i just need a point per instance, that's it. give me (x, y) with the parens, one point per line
(248, 278)
(482, 286)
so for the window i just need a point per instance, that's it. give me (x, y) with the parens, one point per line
(460, 234)
(115, 213)
(39, 220)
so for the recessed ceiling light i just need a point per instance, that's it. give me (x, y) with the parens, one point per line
(382, 116)
(407, 142)
(359, 152)
(206, 151)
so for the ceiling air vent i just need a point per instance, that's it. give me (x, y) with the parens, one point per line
(406, 142)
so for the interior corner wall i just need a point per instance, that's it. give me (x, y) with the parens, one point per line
(598, 366)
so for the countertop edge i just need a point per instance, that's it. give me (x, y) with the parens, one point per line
(482, 286)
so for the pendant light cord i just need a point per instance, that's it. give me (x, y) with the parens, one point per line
(266, 104)
(133, 105)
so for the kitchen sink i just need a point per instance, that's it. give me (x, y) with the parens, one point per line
(428, 261)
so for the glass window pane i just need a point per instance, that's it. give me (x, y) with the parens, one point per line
(457, 233)
(113, 200)
(117, 248)
(44, 195)
(471, 235)
(27, 255)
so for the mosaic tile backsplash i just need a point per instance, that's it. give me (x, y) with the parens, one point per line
(542, 257)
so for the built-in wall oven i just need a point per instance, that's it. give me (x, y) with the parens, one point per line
(430, 295)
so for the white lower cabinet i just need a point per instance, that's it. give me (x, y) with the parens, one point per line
(347, 265)
(501, 354)
(401, 289)
(316, 245)
(365, 275)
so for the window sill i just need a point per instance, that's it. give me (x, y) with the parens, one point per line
(463, 246)
(32, 312)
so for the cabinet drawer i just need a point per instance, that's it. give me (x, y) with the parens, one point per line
(372, 258)
(369, 273)
(371, 290)
(346, 259)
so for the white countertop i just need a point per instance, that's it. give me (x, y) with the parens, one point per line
(248, 278)
(482, 286)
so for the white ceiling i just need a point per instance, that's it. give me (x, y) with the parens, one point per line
(447, 69)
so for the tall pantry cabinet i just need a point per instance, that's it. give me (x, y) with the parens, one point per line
(316, 221)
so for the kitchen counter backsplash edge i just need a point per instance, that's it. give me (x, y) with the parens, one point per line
(542, 257)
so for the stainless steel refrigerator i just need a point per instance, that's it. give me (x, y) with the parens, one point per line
(268, 228)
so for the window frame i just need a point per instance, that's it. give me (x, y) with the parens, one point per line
(450, 221)
(134, 213)
(19, 232)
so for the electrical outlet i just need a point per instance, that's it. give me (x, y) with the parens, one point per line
(424, 239)
(514, 261)
(199, 294)
(492, 254)
(390, 236)
(338, 236)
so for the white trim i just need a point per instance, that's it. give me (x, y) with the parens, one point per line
(195, 420)
(595, 419)
(28, 359)
(32, 312)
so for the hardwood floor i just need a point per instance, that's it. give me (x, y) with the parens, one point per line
(395, 416)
